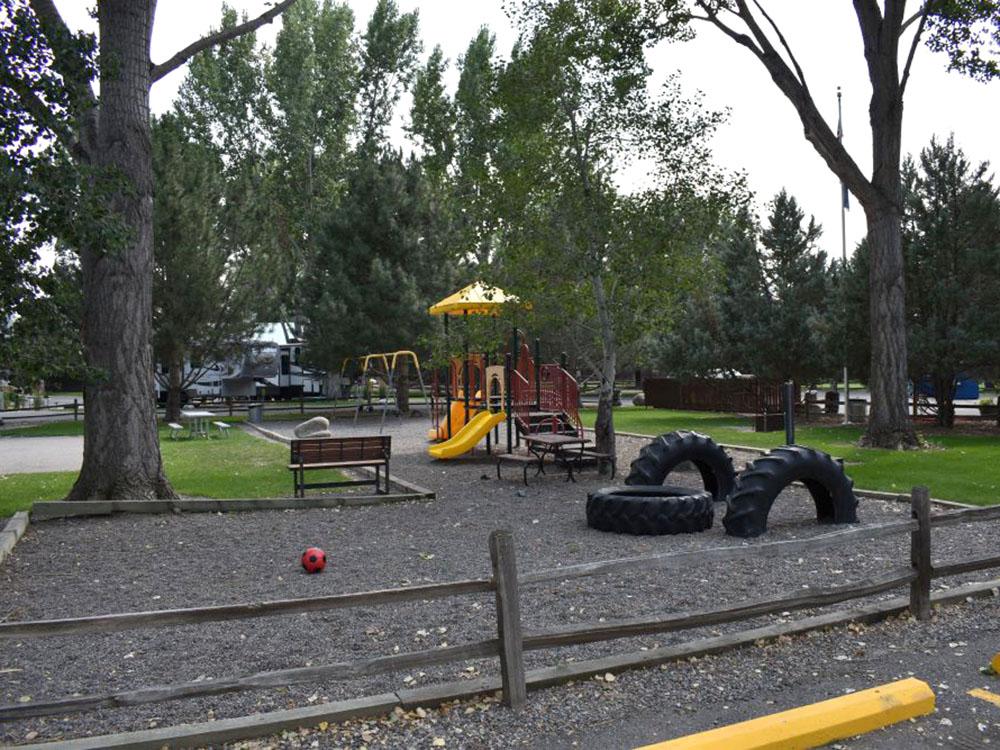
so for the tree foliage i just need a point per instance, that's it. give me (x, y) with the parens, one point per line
(767, 314)
(575, 111)
(951, 236)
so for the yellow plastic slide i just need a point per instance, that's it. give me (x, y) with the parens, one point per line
(469, 436)
(458, 419)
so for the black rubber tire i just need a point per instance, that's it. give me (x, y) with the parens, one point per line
(662, 456)
(763, 480)
(651, 510)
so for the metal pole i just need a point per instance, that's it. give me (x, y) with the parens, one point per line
(538, 374)
(465, 363)
(507, 369)
(789, 413)
(843, 255)
(447, 385)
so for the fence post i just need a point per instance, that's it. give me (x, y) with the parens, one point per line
(920, 554)
(76, 410)
(515, 689)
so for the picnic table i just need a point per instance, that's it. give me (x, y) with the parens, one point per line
(197, 421)
(560, 446)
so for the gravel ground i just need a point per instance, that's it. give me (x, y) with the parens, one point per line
(91, 566)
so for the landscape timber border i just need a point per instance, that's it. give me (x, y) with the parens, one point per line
(12, 532)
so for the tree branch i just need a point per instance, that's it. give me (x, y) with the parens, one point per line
(741, 39)
(817, 130)
(784, 43)
(913, 47)
(218, 37)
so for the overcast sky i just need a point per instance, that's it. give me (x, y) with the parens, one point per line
(763, 136)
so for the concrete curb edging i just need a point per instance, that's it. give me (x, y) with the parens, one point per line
(12, 532)
(407, 487)
(247, 727)
(817, 723)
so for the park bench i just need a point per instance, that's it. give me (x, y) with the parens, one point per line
(175, 429)
(588, 456)
(311, 454)
(223, 428)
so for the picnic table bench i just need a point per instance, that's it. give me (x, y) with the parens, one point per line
(311, 454)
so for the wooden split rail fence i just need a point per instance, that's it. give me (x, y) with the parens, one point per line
(512, 640)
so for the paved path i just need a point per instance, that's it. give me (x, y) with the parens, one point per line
(30, 455)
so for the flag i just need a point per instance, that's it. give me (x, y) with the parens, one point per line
(845, 201)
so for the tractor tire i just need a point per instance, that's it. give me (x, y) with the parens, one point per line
(763, 480)
(662, 456)
(656, 510)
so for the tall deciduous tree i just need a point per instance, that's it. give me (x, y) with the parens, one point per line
(390, 46)
(111, 136)
(575, 109)
(312, 79)
(889, 57)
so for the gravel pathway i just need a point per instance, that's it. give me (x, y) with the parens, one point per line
(92, 566)
(20, 455)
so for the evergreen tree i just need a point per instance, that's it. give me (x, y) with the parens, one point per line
(378, 265)
(795, 292)
(951, 241)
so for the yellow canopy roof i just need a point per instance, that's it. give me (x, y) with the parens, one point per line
(475, 299)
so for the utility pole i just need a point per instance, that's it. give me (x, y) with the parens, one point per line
(843, 255)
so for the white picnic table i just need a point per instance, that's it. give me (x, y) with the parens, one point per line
(197, 421)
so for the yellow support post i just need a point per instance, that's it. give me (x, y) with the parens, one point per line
(818, 723)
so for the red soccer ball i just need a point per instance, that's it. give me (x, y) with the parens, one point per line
(313, 560)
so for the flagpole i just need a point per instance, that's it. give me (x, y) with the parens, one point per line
(843, 255)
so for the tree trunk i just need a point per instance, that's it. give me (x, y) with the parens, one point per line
(944, 391)
(121, 454)
(174, 377)
(604, 426)
(889, 424)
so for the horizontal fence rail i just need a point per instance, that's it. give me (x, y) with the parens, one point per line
(577, 634)
(223, 612)
(276, 678)
(512, 640)
(683, 560)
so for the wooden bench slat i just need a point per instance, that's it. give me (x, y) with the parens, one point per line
(336, 464)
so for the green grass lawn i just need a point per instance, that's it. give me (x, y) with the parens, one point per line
(44, 429)
(238, 466)
(964, 468)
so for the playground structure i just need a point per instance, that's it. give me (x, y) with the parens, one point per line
(375, 380)
(479, 391)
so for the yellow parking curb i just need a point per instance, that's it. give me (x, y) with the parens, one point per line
(985, 695)
(817, 723)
